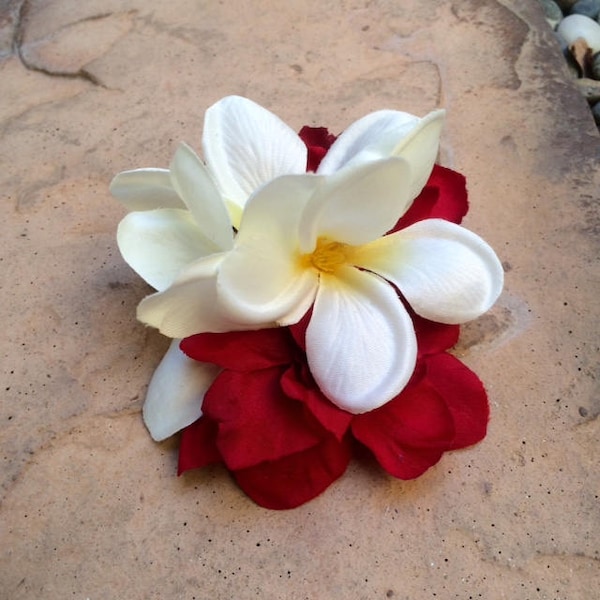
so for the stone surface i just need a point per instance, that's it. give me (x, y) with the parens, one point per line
(91, 507)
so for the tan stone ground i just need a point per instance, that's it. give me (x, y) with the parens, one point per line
(91, 507)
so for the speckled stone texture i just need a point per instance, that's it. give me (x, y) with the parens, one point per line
(91, 507)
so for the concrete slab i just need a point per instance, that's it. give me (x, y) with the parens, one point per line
(91, 507)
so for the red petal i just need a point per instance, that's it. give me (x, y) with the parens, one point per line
(257, 421)
(432, 337)
(408, 434)
(443, 197)
(298, 331)
(453, 203)
(318, 140)
(241, 350)
(420, 209)
(465, 397)
(197, 447)
(303, 388)
(297, 478)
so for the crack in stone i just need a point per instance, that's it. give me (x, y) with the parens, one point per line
(17, 43)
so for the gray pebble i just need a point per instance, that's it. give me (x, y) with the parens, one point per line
(573, 27)
(589, 88)
(552, 12)
(565, 5)
(588, 8)
(596, 113)
(596, 66)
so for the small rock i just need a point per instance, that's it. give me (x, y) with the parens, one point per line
(552, 12)
(577, 26)
(588, 8)
(590, 89)
(596, 113)
(565, 5)
(595, 68)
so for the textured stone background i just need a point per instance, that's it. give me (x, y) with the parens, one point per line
(90, 506)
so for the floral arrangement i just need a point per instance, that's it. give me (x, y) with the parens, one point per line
(312, 286)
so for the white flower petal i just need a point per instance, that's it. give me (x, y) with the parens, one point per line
(246, 146)
(357, 205)
(189, 305)
(175, 394)
(373, 137)
(360, 342)
(263, 277)
(389, 133)
(157, 244)
(145, 189)
(446, 273)
(420, 149)
(193, 183)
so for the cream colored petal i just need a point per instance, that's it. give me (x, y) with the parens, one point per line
(145, 189)
(360, 342)
(190, 304)
(372, 137)
(246, 146)
(446, 273)
(389, 133)
(192, 181)
(264, 278)
(158, 244)
(175, 394)
(420, 149)
(357, 205)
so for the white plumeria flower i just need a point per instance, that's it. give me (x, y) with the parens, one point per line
(184, 219)
(310, 240)
(178, 215)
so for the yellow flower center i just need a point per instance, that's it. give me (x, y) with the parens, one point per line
(328, 256)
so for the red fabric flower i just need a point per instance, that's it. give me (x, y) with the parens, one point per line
(284, 442)
(318, 140)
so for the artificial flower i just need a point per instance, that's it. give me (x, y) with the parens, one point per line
(288, 451)
(284, 442)
(319, 241)
(185, 219)
(178, 217)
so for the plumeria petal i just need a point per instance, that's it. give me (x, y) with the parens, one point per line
(245, 146)
(360, 343)
(145, 189)
(175, 393)
(446, 273)
(358, 205)
(420, 148)
(193, 183)
(389, 133)
(262, 278)
(189, 305)
(373, 137)
(158, 244)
